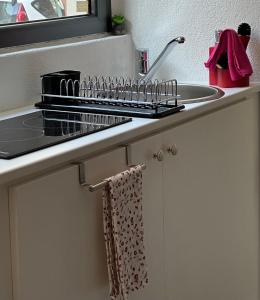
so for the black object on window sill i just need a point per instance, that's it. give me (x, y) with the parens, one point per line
(118, 29)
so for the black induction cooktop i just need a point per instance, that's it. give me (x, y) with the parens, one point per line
(43, 128)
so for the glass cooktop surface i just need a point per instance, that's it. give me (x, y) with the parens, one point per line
(30, 132)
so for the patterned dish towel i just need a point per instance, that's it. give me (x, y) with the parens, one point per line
(124, 233)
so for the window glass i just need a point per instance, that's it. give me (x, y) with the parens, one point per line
(48, 9)
(32, 21)
(17, 11)
(8, 12)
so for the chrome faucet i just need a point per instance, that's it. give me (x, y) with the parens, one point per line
(145, 75)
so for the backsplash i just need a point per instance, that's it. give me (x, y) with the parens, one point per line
(153, 23)
(20, 83)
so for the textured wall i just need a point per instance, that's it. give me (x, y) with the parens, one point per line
(20, 69)
(117, 6)
(154, 22)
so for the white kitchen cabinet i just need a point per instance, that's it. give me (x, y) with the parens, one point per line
(142, 152)
(201, 216)
(58, 249)
(211, 206)
(5, 258)
(201, 207)
(57, 232)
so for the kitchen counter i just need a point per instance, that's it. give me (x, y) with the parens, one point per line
(84, 147)
(200, 200)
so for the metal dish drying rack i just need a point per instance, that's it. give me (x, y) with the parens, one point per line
(116, 96)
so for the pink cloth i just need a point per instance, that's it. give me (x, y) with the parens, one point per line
(238, 62)
(124, 233)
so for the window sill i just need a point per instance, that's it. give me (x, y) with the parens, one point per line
(57, 43)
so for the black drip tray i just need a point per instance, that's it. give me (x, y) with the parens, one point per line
(132, 111)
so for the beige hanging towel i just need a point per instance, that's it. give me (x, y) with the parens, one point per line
(124, 233)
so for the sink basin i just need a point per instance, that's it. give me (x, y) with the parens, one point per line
(198, 93)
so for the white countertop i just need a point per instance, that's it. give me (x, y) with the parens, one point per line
(81, 148)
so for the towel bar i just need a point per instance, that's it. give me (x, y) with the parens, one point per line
(98, 186)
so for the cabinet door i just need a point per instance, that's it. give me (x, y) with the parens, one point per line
(142, 152)
(211, 206)
(57, 234)
(5, 258)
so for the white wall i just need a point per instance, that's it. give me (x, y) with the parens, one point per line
(154, 22)
(117, 6)
(21, 68)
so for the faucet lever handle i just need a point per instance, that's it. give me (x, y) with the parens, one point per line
(143, 61)
(148, 74)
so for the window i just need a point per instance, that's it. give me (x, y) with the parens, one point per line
(50, 8)
(31, 21)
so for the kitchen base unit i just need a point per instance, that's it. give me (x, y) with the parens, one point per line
(200, 205)
(205, 186)
(57, 242)
(5, 253)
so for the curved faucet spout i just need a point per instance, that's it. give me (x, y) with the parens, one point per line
(168, 48)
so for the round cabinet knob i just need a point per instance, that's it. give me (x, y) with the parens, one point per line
(158, 155)
(173, 150)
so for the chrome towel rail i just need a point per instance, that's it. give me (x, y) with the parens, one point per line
(98, 186)
(94, 187)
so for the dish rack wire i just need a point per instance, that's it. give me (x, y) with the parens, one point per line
(116, 95)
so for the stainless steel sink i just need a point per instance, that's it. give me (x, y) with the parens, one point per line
(191, 93)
